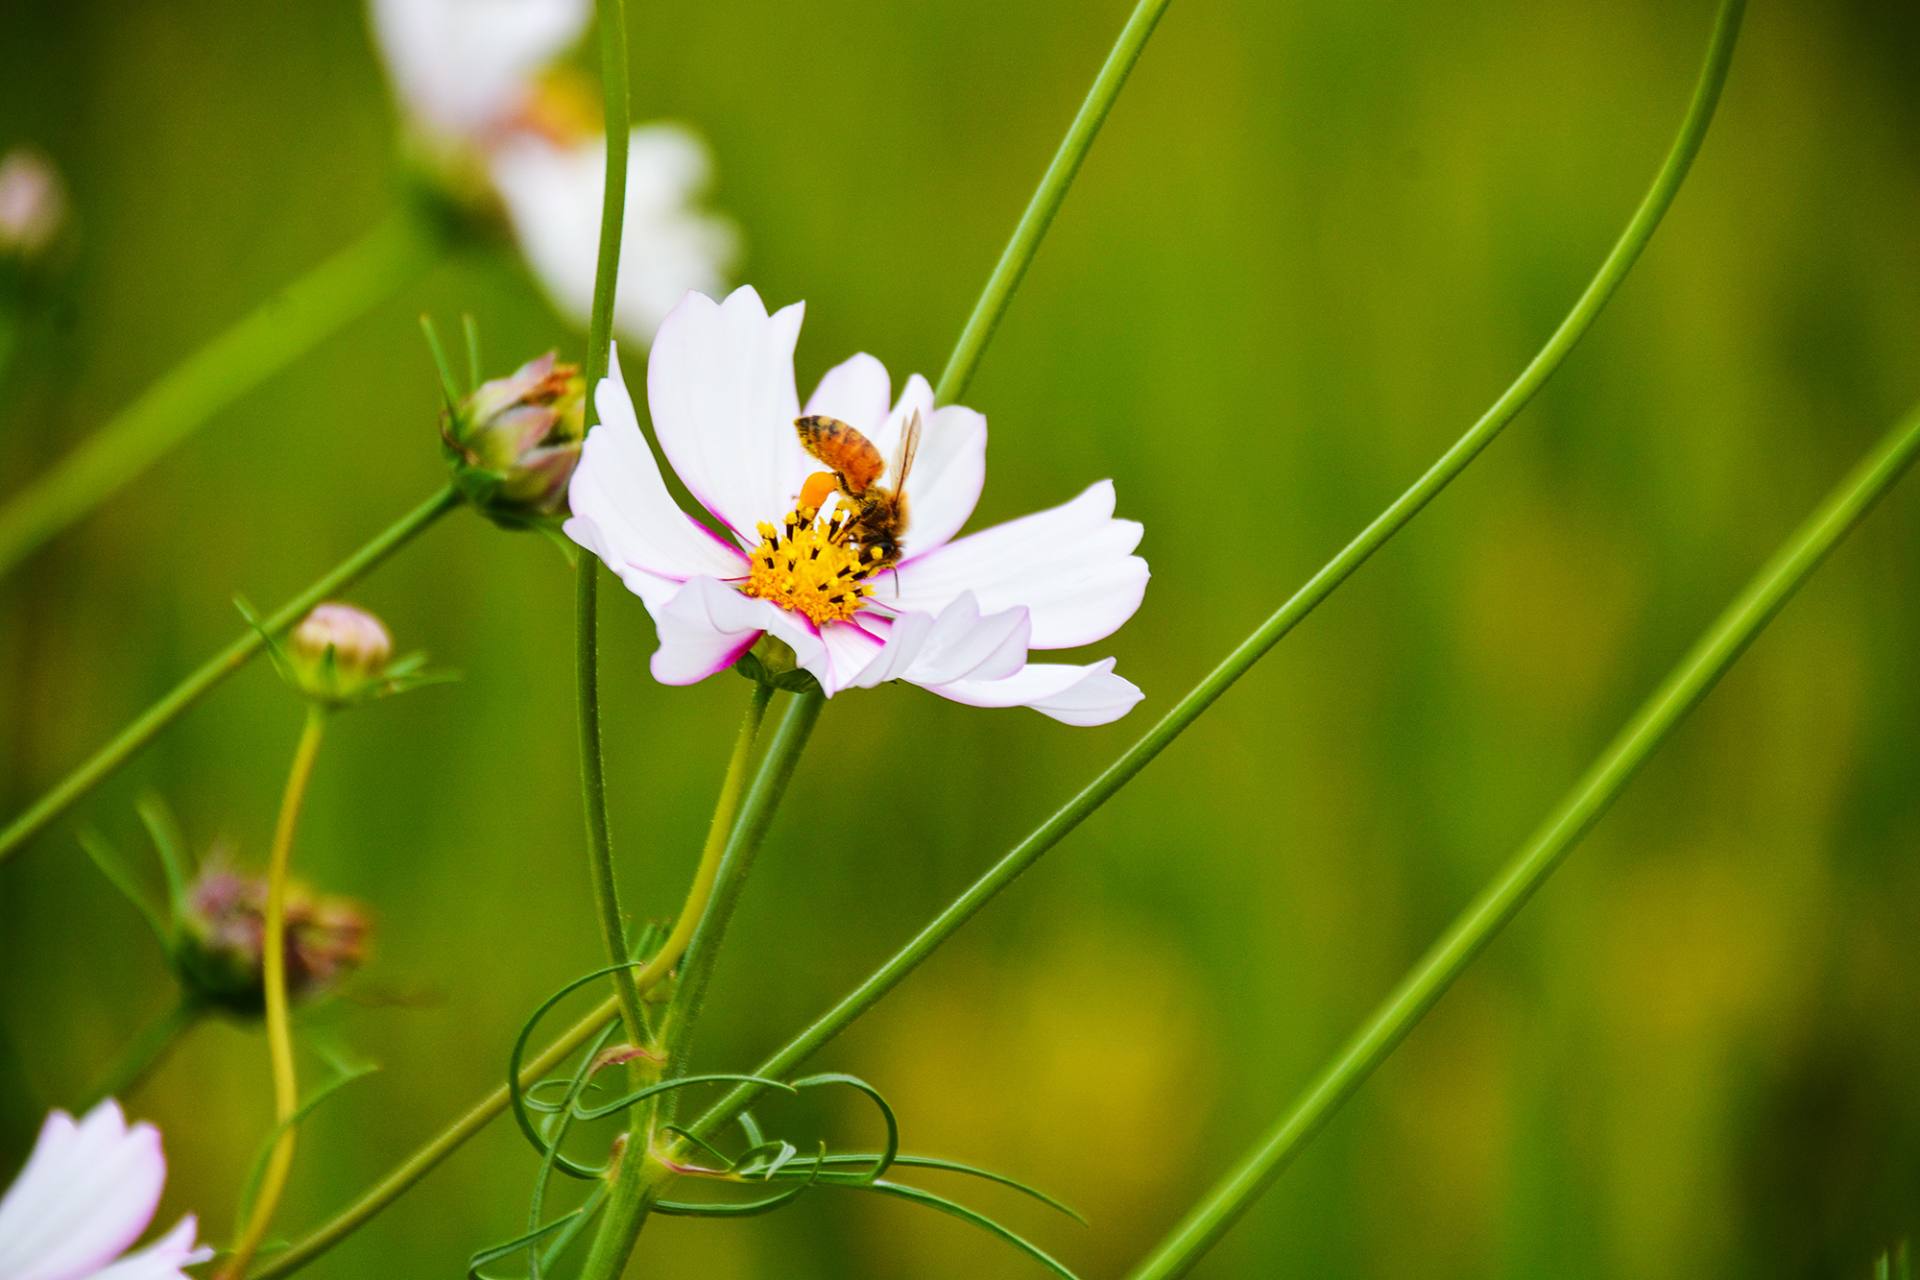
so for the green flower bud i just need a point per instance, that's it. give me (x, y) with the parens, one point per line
(513, 443)
(338, 654)
(220, 940)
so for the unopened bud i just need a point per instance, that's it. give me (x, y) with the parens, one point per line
(33, 204)
(513, 443)
(337, 653)
(221, 939)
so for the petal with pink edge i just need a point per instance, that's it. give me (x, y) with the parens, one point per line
(855, 391)
(849, 650)
(88, 1190)
(957, 644)
(163, 1259)
(707, 625)
(623, 513)
(720, 384)
(1084, 696)
(1072, 566)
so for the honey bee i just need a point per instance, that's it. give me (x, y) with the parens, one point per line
(879, 512)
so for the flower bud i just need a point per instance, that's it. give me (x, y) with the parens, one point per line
(33, 204)
(221, 934)
(513, 443)
(337, 653)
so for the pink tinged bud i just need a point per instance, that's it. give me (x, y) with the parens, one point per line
(33, 204)
(514, 442)
(222, 930)
(337, 652)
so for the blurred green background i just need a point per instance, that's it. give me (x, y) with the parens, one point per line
(1314, 241)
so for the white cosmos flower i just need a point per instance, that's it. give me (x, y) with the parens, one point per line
(956, 615)
(469, 74)
(87, 1193)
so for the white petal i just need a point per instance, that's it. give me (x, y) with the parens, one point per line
(854, 391)
(163, 1259)
(944, 486)
(847, 650)
(707, 625)
(86, 1194)
(720, 384)
(1072, 566)
(461, 65)
(623, 513)
(958, 644)
(1087, 695)
(667, 244)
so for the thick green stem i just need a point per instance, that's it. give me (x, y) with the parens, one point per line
(1537, 859)
(279, 1014)
(147, 1050)
(639, 1175)
(1323, 583)
(184, 695)
(264, 342)
(1046, 201)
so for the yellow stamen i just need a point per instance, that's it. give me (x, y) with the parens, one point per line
(810, 567)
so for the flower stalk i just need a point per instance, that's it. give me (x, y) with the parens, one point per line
(147, 1050)
(1510, 890)
(286, 326)
(286, 1087)
(185, 695)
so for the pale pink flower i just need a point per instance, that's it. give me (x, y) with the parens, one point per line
(87, 1193)
(955, 615)
(474, 79)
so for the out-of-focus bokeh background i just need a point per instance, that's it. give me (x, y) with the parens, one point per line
(1314, 242)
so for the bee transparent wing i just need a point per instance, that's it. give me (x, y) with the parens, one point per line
(909, 446)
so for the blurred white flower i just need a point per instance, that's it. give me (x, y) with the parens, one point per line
(857, 606)
(668, 246)
(33, 203)
(86, 1194)
(476, 78)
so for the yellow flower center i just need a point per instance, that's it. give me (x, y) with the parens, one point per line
(812, 567)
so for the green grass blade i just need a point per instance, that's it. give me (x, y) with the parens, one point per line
(1517, 882)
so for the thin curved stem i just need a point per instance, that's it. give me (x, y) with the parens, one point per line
(182, 697)
(395, 252)
(430, 1155)
(273, 957)
(1503, 897)
(147, 1050)
(1046, 201)
(1625, 252)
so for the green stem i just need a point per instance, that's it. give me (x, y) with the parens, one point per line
(1046, 201)
(476, 1117)
(147, 1050)
(1323, 583)
(279, 1014)
(260, 345)
(1517, 882)
(639, 1175)
(769, 785)
(593, 786)
(184, 695)
(717, 856)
